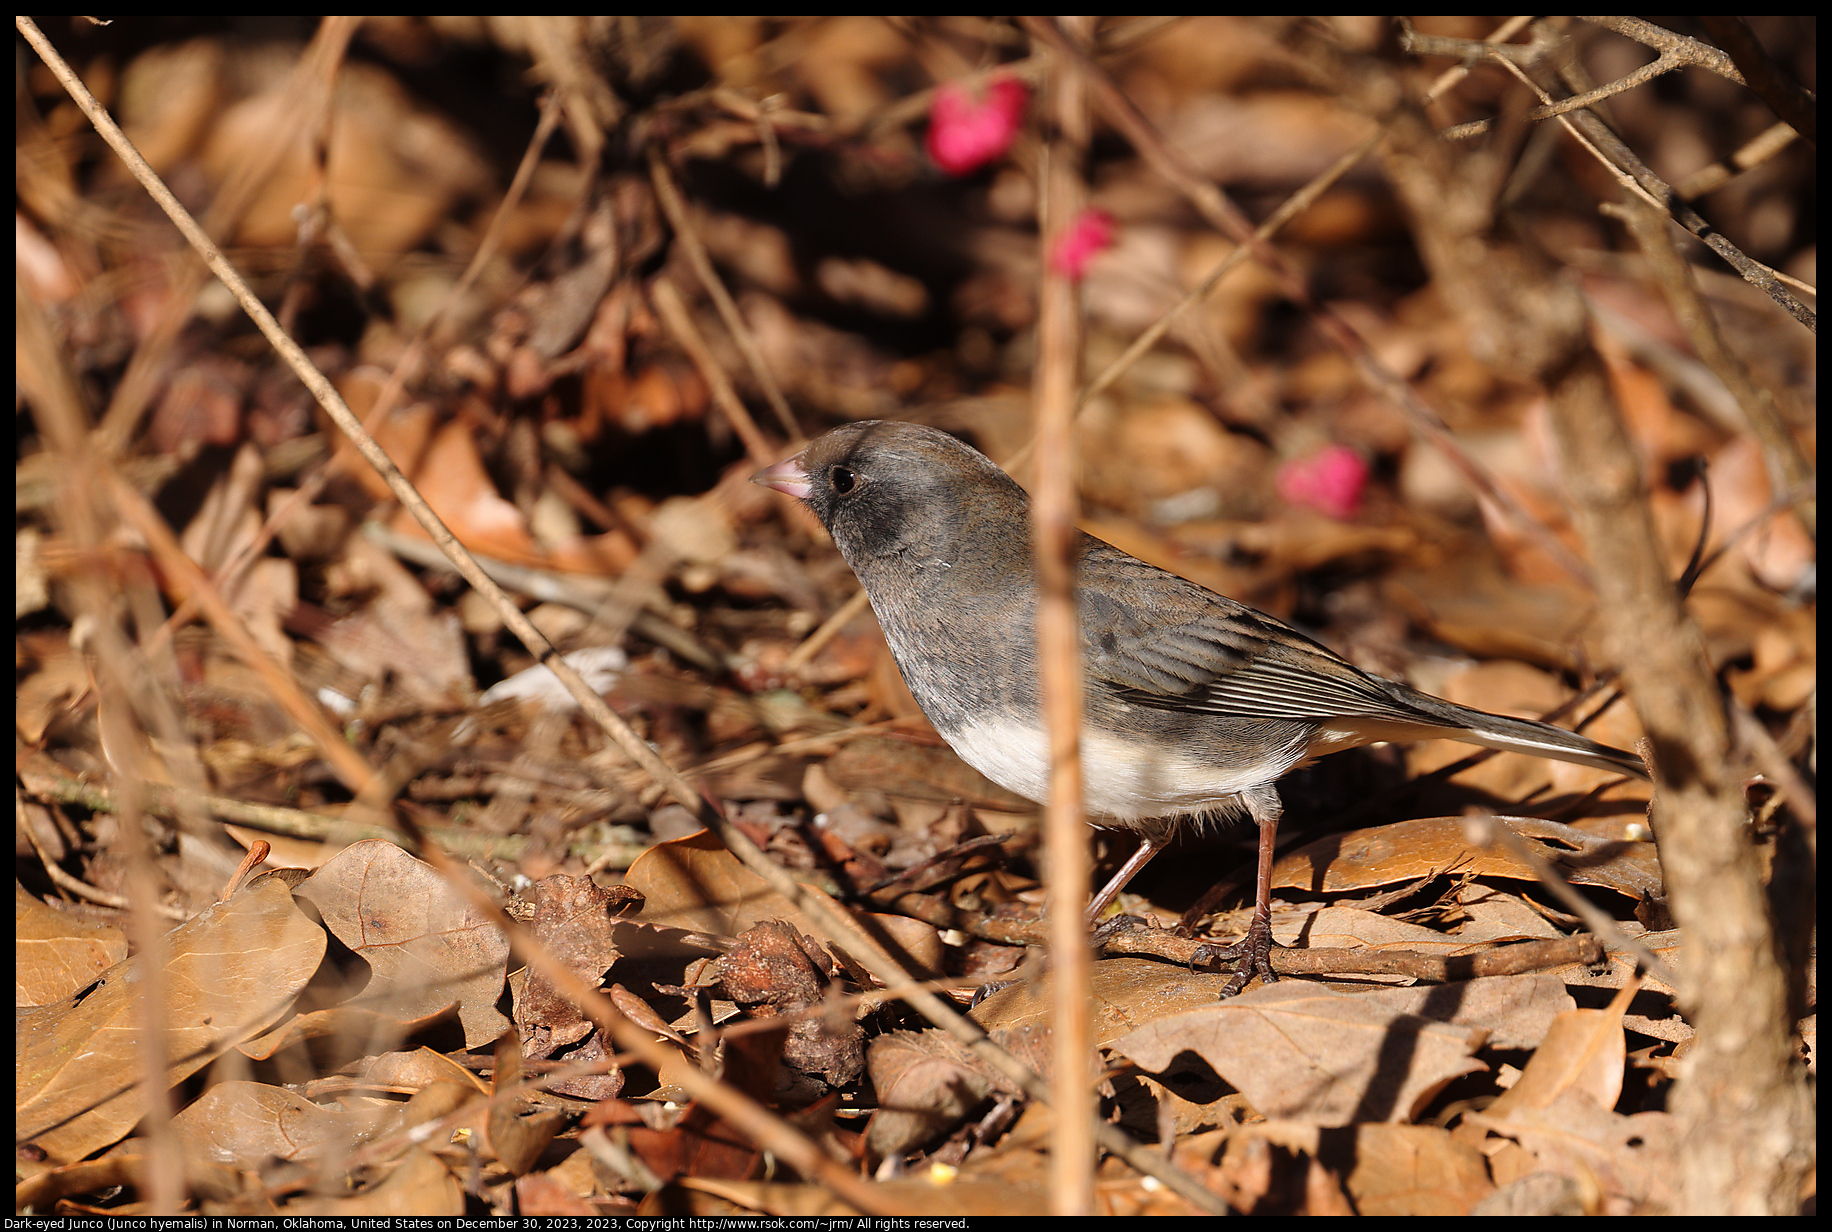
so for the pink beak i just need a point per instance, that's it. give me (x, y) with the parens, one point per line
(786, 477)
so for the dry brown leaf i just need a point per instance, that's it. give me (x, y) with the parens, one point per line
(55, 955)
(1781, 555)
(1349, 927)
(399, 632)
(1127, 992)
(1391, 1170)
(245, 1124)
(441, 457)
(1408, 850)
(229, 973)
(702, 1144)
(1467, 601)
(1632, 1160)
(941, 1195)
(40, 698)
(772, 971)
(418, 1070)
(427, 946)
(573, 918)
(926, 1082)
(1304, 1052)
(1562, 1110)
(541, 1194)
(1171, 448)
(1584, 1051)
(361, 1030)
(521, 1129)
(1785, 671)
(1491, 917)
(418, 1185)
(693, 883)
(1622, 965)
(1413, 1170)
(392, 168)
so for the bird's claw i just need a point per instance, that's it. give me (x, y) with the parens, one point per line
(1252, 955)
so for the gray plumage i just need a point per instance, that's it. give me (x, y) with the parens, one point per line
(1196, 704)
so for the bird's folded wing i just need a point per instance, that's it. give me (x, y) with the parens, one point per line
(1181, 647)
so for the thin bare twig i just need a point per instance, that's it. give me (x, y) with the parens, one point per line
(668, 195)
(1752, 153)
(830, 628)
(1794, 105)
(1678, 47)
(680, 323)
(1637, 177)
(1767, 756)
(71, 885)
(1068, 863)
(1487, 830)
(1676, 52)
(1288, 209)
(1788, 466)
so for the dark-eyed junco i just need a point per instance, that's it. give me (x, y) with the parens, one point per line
(1196, 704)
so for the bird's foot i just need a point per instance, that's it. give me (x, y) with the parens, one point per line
(1113, 926)
(1251, 955)
(986, 990)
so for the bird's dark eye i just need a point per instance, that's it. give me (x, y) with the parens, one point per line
(843, 480)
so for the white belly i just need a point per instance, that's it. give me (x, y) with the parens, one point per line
(1121, 780)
